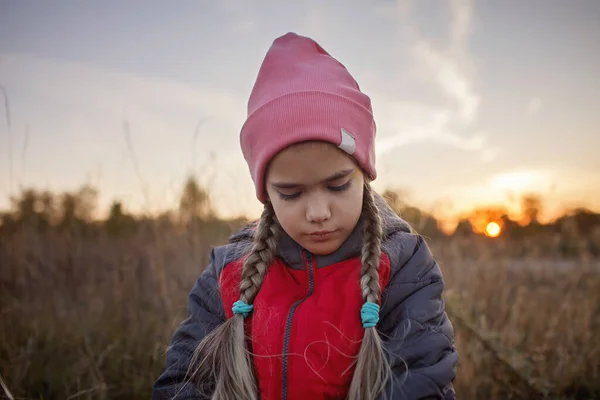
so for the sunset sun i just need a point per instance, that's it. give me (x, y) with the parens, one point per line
(492, 229)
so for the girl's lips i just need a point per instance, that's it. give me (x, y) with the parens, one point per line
(321, 236)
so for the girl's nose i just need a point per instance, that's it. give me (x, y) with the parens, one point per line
(318, 210)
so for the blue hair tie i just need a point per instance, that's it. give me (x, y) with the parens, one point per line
(240, 307)
(369, 314)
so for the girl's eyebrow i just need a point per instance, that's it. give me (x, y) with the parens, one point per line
(336, 176)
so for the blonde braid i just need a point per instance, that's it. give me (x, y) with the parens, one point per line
(372, 367)
(222, 356)
(371, 250)
(266, 240)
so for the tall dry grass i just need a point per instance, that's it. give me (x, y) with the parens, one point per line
(89, 316)
(540, 313)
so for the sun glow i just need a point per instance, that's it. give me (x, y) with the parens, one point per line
(493, 229)
(520, 181)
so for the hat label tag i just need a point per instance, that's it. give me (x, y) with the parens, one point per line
(348, 144)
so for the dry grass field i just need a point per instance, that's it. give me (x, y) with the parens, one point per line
(87, 314)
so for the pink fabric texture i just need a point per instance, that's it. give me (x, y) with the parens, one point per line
(302, 93)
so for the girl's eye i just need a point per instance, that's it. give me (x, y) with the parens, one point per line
(341, 188)
(293, 196)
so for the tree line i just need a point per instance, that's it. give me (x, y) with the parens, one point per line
(75, 212)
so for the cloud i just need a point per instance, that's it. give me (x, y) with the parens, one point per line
(416, 122)
(447, 70)
(522, 180)
(472, 143)
(490, 154)
(462, 12)
(534, 105)
(452, 81)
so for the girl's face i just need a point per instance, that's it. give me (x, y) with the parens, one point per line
(317, 194)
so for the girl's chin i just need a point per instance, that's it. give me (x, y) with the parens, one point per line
(322, 248)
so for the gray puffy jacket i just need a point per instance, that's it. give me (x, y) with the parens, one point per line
(416, 330)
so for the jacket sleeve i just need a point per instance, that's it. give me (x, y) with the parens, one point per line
(416, 331)
(204, 313)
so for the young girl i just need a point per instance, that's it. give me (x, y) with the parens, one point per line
(330, 295)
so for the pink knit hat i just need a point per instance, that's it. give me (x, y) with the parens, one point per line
(302, 93)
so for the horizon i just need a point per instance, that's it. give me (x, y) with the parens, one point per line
(486, 220)
(470, 112)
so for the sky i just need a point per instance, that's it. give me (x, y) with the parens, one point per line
(476, 102)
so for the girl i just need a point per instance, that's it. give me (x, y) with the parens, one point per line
(330, 295)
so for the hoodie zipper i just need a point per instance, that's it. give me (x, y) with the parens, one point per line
(288, 326)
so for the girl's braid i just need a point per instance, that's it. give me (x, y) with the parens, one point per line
(371, 250)
(221, 363)
(373, 369)
(263, 251)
